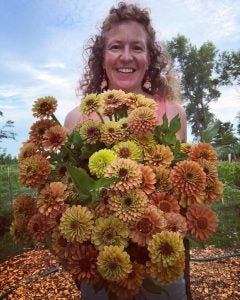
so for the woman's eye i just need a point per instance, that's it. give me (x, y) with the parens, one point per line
(137, 48)
(115, 47)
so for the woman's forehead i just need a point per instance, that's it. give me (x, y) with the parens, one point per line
(126, 30)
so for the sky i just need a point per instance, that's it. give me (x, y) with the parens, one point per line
(42, 42)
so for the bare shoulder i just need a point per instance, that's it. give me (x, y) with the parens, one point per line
(73, 118)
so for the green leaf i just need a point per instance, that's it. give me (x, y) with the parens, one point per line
(82, 181)
(175, 124)
(165, 122)
(100, 183)
(210, 132)
(152, 287)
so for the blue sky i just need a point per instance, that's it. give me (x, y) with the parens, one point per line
(42, 45)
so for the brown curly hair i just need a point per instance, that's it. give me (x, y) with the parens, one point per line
(163, 80)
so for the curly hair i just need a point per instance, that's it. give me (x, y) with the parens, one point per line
(163, 79)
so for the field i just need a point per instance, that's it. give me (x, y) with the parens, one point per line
(228, 209)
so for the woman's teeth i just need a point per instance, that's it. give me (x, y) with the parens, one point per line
(125, 70)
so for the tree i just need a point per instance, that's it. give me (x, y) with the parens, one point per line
(195, 67)
(5, 130)
(228, 68)
(202, 71)
(238, 123)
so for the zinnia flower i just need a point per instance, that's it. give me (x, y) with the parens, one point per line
(165, 202)
(127, 173)
(101, 208)
(130, 206)
(201, 221)
(213, 192)
(90, 131)
(165, 248)
(138, 253)
(151, 222)
(44, 107)
(82, 264)
(148, 179)
(54, 216)
(158, 155)
(38, 129)
(114, 263)
(210, 169)
(187, 179)
(128, 149)
(176, 223)
(109, 231)
(169, 274)
(185, 148)
(60, 246)
(111, 133)
(19, 232)
(142, 119)
(76, 224)
(162, 177)
(142, 101)
(28, 149)
(99, 161)
(54, 138)
(144, 139)
(25, 206)
(131, 285)
(51, 197)
(34, 171)
(114, 101)
(203, 151)
(37, 227)
(90, 104)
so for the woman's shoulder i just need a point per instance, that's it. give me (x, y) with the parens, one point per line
(72, 118)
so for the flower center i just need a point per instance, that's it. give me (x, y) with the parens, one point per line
(202, 223)
(165, 206)
(112, 265)
(145, 226)
(123, 172)
(188, 176)
(84, 264)
(91, 131)
(111, 130)
(128, 202)
(124, 152)
(109, 234)
(44, 106)
(166, 249)
(90, 102)
(35, 227)
(74, 225)
(62, 242)
(55, 138)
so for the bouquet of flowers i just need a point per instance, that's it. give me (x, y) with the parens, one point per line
(114, 199)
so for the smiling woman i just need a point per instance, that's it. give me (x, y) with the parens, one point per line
(125, 56)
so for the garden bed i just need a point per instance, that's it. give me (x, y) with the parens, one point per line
(209, 280)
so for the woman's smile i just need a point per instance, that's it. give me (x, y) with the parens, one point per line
(126, 56)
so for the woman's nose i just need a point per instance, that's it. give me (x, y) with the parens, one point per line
(126, 54)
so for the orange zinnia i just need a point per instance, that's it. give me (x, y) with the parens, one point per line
(205, 151)
(201, 221)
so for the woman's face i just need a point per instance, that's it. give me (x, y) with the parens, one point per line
(126, 57)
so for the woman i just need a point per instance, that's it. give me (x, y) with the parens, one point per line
(126, 56)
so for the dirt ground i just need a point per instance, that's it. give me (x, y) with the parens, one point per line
(215, 280)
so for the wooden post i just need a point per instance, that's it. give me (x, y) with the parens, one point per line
(187, 268)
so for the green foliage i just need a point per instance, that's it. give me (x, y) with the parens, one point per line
(202, 71)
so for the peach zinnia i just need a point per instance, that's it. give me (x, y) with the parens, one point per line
(203, 151)
(159, 155)
(201, 221)
(162, 176)
(51, 197)
(34, 171)
(151, 222)
(148, 179)
(142, 119)
(54, 138)
(176, 223)
(213, 192)
(44, 107)
(38, 129)
(37, 227)
(165, 202)
(127, 173)
(187, 179)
